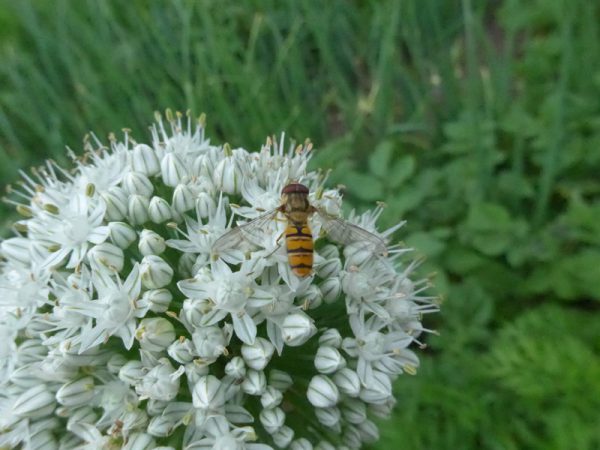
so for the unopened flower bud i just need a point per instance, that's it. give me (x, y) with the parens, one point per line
(331, 289)
(280, 380)
(205, 205)
(42, 439)
(107, 255)
(297, 328)
(151, 243)
(208, 393)
(194, 372)
(331, 337)
(159, 210)
(351, 438)
(226, 175)
(161, 426)
(155, 334)
(137, 209)
(382, 410)
(116, 204)
(157, 299)
(115, 363)
(185, 265)
(354, 410)
(329, 268)
(283, 436)
(173, 169)
(34, 403)
(155, 272)
(369, 433)
(322, 392)
(132, 372)
(255, 382)
(76, 393)
(329, 251)
(181, 350)
(272, 419)
(329, 360)
(154, 407)
(357, 253)
(121, 234)
(271, 397)
(139, 441)
(258, 355)
(137, 183)
(209, 342)
(378, 390)
(236, 368)
(183, 198)
(301, 444)
(330, 417)
(312, 298)
(348, 382)
(161, 382)
(84, 414)
(144, 160)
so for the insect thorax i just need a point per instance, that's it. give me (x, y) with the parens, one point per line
(295, 206)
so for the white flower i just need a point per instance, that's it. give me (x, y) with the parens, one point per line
(375, 350)
(69, 231)
(112, 290)
(114, 310)
(230, 294)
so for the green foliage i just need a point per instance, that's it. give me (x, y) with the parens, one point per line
(478, 123)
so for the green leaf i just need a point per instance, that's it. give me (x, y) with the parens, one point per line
(426, 243)
(381, 158)
(364, 187)
(490, 228)
(401, 170)
(571, 277)
(462, 260)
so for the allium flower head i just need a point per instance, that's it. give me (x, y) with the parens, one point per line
(120, 327)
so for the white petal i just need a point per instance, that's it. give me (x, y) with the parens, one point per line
(99, 234)
(77, 255)
(103, 283)
(193, 288)
(91, 337)
(275, 336)
(133, 284)
(183, 246)
(365, 371)
(245, 328)
(56, 258)
(127, 333)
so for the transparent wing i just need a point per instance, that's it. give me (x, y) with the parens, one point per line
(251, 232)
(346, 233)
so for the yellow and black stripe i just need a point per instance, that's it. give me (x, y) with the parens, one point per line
(299, 242)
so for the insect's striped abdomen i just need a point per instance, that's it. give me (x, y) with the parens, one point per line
(299, 243)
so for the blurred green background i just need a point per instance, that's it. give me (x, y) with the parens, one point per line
(476, 121)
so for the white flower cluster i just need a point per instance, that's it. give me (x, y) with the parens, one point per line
(120, 329)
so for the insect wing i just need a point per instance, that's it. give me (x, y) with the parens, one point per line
(251, 232)
(346, 233)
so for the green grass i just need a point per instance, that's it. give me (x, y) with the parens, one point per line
(477, 122)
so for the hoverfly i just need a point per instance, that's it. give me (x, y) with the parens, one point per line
(296, 210)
